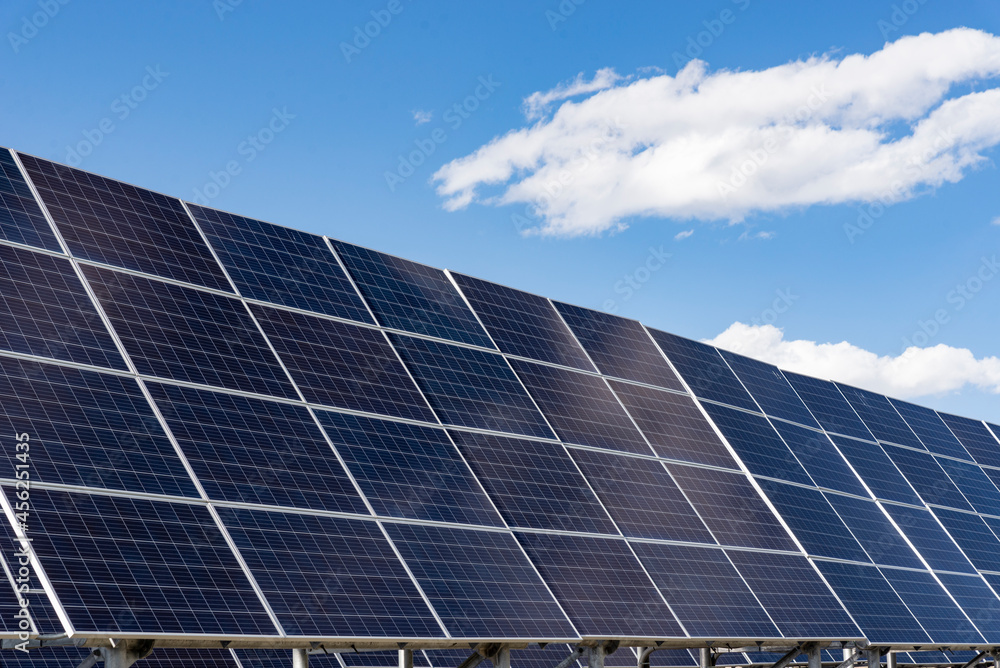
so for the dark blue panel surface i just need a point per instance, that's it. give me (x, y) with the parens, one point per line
(813, 521)
(976, 438)
(880, 416)
(577, 569)
(704, 370)
(342, 365)
(135, 565)
(85, 428)
(874, 531)
(932, 606)
(705, 591)
(797, 599)
(931, 430)
(470, 387)
(872, 603)
(927, 477)
(190, 335)
(21, 219)
(673, 425)
(975, 484)
(974, 536)
(412, 297)
(46, 311)
(406, 470)
(757, 444)
(620, 347)
(829, 406)
(977, 600)
(817, 455)
(253, 451)
(581, 408)
(124, 226)
(534, 484)
(183, 657)
(480, 583)
(732, 508)
(529, 657)
(329, 576)
(382, 659)
(877, 470)
(768, 386)
(930, 539)
(641, 497)
(523, 324)
(280, 265)
(48, 657)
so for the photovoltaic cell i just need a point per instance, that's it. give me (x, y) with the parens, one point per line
(523, 324)
(118, 224)
(248, 450)
(813, 521)
(874, 531)
(757, 444)
(927, 477)
(619, 347)
(189, 335)
(932, 606)
(342, 365)
(796, 598)
(768, 386)
(976, 438)
(880, 416)
(641, 497)
(534, 484)
(872, 603)
(818, 456)
(183, 657)
(46, 311)
(601, 585)
(280, 265)
(21, 219)
(329, 576)
(929, 538)
(581, 408)
(529, 657)
(141, 566)
(705, 371)
(86, 428)
(673, 425)
(409, 471)
(975, 484)
(705, 591)
(48, 657)
(732, 508)
(381, 659)
(877, 470)
(974, 536)
(470, 387)
(829, 406)
(480, 583)
(931, 430)
(977, 600)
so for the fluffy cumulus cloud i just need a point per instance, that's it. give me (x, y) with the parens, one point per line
(913, 373)
(722, 145)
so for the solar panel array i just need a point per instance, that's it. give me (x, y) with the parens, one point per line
(234, 430)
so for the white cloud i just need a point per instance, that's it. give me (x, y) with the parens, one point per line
(680, 236)
(995, 221)
(536, 104)
(824, 130)
(421, 116)
(913, 373)
(763, 235)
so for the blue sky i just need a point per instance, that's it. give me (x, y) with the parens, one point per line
(209, 75)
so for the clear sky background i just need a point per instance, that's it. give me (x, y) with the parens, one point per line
(224, 68)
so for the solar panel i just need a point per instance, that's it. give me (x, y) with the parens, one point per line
(342, 365)
(978, 601)
(829, 406)
(876, 469)
(46, 311)
(975, 484)
(704, 370)
(280, 265)
(931, 430)
(976, 438)
(927, 477)
(880, 416)
(973, 536)
(382, 659)
(21, 219)
(873, 529)
(523, 324)
(188, 335)
(118, 224)
(619, 347)
(770, 389)
(412, 297)
(471, 388)
(534, 484)
(929, 538)
(601, 585)
(819, 458)
(931, 605)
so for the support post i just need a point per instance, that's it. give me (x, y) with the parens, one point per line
(815, 655)
(874, 657)
(890, 660)
(126, 653)
(595, 656)
(644, 654)
(500, 660)
(300, 658)
(705, 657)
(406, 658)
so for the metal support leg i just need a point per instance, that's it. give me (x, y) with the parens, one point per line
(890, 660)
(644, 654)
(705, 657)
(815, 655)
(300, 658)
(874, 657)
(406, 658)
(126, 653)
(500, 660)
(595, 656)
